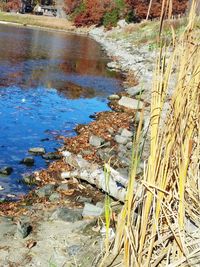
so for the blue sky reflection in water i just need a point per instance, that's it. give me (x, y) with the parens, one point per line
(49, 83)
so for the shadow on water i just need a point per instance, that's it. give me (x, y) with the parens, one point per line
(49, 83)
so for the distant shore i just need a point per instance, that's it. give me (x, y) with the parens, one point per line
(41, 22)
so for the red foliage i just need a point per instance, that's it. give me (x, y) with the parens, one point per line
(70, 5)
(13, 5)
(93, 13)
(140, 7)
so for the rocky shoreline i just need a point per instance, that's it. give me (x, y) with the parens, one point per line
(59, 221)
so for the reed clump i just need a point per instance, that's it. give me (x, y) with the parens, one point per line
(159, 224)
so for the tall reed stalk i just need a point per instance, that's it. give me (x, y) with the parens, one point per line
(155, 226)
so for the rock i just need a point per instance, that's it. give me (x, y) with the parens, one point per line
(74, 250)
(96, 141)
(81, 162)
(113, 97)
(63, 187)
(6, 170)
(122, 23)
(87, 152)
(29, 178)
(37, 150)
(45, 191)
(126, 133)
(67, 215)
(1, 188)
(81, 199)
(134, 91)
(130, 103)
(92, 211)
(129, 145)
(54, 197)
(121, 139)
(23, 229)
(28, 161)
(113, 65)
(51, 156)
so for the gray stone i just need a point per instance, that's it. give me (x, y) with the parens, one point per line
(45, 191)
(74, 250)
(63, 187)
(130, 103)
(37, 150)
(125, 162)
(81, 162)
(134, 91)
(113, 65)
(113, 97)
(54, 197)
(122, 23)
(67, 215)
(28, 161)
(126, 133)
(52, 156)
(29, 178)
(23, 229)
(96, 141)
(121, 139)
(6, 170)
(84, 199)
(129, 145)
(92, 210)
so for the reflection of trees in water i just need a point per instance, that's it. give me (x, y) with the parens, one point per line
(74, 91)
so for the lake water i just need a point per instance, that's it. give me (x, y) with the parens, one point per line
(49, 82)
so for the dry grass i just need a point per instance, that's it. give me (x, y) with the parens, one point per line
(159, 224)
(38, 21)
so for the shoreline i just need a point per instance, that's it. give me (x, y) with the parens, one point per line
(55, 203)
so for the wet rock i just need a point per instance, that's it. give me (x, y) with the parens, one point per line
(28, 161)
(63, 187)
(37, 150)
(81, 199)
(121, 139)
(67, 215)
(6, 170)
(96, 141)
(130, 103)
(54, 197)
(113, 97)
(29, 178)
(51, 156)
(45, 191)
(23, 229)
(92, 210)
(126, 133)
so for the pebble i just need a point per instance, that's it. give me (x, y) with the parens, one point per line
(6, 170)
(113, 97)
(121, 139)
(67, 215)
(96, 141)
(37, 150)
(28, 161)
(45, 191)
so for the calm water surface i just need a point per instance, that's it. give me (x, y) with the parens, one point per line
(49, 83)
